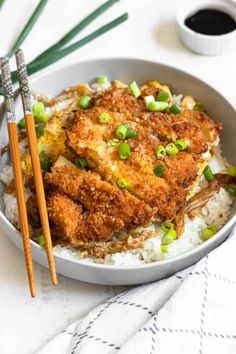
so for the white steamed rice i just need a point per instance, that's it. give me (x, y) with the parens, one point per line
(216, 211)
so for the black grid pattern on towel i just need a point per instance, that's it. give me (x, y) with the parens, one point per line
(152, 328)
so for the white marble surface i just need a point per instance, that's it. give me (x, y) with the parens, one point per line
(25, 323)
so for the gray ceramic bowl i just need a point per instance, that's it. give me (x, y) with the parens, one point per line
(128, 70)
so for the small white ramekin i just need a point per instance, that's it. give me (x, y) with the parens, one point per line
(202, 43)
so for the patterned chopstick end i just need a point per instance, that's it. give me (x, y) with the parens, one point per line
(8, 91)
(23, 79)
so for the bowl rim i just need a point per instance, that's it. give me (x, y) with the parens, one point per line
(181, 19)
(226, 228)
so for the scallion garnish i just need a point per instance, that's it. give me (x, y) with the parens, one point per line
(157, 106)
(131, 133)
(121, 131)
(231, 189)
(167, 225)
(123, 183)
(164, 248)
(84, 101)
(124, 151)
(199, 107)
(168, 237)
(231, 170)
(134, 89)
(41, 240)
(39, 112)
(45, 163)
(175, 108)
(209, 232)
(112, 142)
(104, 118)
(159, 170)
(207, 172)
(81, 162)
(181, 144)
(171, 149)
(102, 79)
(40, 147)
(160, 152)
(148, 99)
(162, 96)
(22, 123)
(39, 130)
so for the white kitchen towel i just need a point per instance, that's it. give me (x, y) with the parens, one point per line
(191, 312)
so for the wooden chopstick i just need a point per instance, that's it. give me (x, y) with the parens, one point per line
(16, 163)
(38, 180)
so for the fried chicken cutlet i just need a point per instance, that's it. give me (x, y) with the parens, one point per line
(89, 138)
(113, 209)
(73, 225)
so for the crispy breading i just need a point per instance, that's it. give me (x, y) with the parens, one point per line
(89, 138)
(119, 100)
(205, 123)
(100, 196)
(74, 226)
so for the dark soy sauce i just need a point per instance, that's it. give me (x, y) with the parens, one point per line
(211, 22)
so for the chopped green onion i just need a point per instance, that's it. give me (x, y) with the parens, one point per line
(167, 225)
(171, 149)
(40, 147)
(164, 248)
(175, 108)
(134, 89)
(157, 106)
(231, 170)
(160, 152)
(104, 118)
(102, 79)
(209, 232)
(22, 123)
(131, 133)
(231, 189)
(123, 183)
(39, 130)
(159, 170)
(162, 96)
(181, 144)
(41, 240)
(38, 108)
(45, 163)
(168, 237)
(148, 99)
(81, 162)
(124, 151)
(121, 131)
(207, 172)
(84, 101)
(42, 117)
(112, 142)
(199, 107)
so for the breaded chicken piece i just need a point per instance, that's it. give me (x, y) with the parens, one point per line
(205, 123)
(73, 225)
(89, 138)
(119, 100)
(171, 127)
(200, 128)
(100, 196)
